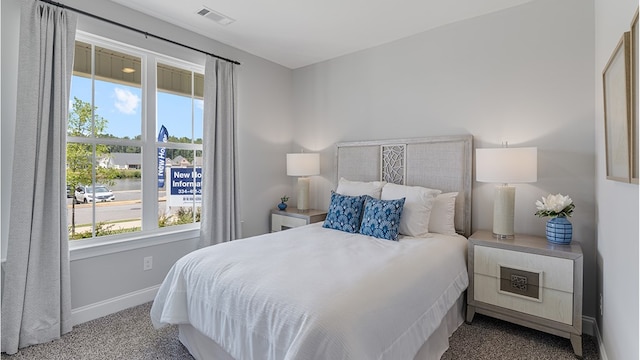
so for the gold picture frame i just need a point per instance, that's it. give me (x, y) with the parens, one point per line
(616, 82)
(635, 158)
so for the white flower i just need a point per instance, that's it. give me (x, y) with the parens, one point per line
(555, 205)
(554, 202)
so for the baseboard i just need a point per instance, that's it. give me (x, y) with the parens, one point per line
(598, 336)
(113, 305)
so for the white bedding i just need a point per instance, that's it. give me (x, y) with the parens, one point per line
(315, 293)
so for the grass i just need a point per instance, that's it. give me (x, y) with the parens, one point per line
(182, 216)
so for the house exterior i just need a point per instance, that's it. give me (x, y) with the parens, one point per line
(121, 161)
(178, 161)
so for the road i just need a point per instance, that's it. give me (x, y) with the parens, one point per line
(126, 207)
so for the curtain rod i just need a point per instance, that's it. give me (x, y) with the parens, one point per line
(146, 34)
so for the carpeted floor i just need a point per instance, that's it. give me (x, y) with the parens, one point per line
(129, 335)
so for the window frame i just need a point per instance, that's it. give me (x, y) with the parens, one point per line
(150, 234)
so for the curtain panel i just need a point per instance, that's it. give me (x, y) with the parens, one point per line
(220, 212)
(36, 301)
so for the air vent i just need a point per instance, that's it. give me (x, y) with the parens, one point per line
(215, 16)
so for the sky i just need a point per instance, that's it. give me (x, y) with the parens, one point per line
(121, 106)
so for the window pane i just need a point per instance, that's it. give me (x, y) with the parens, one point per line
(179, 103)
(116, 89)
(88, 164)
(174, 113)
(111, 193)
(198, 117)
(179, 200)
(118, 112)
(79, 121)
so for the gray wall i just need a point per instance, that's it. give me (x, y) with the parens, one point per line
(264, 136)
(617, 207)
(522, 75)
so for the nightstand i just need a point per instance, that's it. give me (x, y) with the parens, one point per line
(292, 217)
(527, 281)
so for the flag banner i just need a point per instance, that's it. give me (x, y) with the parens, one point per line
(163, 136)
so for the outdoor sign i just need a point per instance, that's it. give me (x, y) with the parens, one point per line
(163, 137)
(183, 183)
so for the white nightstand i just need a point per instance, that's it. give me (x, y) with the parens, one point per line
(292, 217)
(527, 281)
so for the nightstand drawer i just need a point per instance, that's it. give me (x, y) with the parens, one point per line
(284, 222)
(554, 305)
(557, 272)
(529, 283)
(292, 217)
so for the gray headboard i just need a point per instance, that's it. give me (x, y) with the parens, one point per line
(443, 162)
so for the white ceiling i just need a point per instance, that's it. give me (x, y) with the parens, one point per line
(296, 33)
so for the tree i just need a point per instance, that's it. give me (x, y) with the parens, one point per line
(81, 158)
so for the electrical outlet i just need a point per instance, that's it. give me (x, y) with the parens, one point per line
(147, 263)
(600, 304)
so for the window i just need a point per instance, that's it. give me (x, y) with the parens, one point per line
(134, 141)
(180, 105)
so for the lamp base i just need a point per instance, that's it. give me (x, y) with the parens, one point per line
(303, 193)
(503, 209)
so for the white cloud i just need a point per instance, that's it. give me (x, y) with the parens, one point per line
(199, 104)
(126, 101)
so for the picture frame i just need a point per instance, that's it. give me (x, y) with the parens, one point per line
(616, 82)
(635, 158)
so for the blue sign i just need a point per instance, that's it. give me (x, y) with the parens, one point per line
(163, 136)
(186, 186)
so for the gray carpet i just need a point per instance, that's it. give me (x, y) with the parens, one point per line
(129, 335)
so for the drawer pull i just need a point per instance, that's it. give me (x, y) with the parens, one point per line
(522, 283)
(519, 282)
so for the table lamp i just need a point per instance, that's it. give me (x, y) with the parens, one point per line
(506, 166)
(303, 165)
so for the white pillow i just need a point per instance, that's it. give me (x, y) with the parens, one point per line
(443, 213)
(417, 207)
(357, 188)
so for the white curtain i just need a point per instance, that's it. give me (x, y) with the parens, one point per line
(220, 221)
(36, 299)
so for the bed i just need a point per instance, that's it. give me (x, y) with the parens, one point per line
(315, 292)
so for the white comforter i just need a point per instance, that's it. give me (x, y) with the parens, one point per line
(314, 293)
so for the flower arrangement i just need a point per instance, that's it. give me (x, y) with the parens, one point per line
(555, 206)
(283, 202)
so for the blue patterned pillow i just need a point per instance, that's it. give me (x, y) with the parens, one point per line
(344, 212)
(381, 218)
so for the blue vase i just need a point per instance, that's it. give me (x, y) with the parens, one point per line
(282, 206)
(559, 231)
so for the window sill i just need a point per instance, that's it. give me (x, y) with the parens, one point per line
(83, 249)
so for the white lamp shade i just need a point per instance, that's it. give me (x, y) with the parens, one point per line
(303, 164)
(507, 165)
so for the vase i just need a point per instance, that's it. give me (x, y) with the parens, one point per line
(282, 206)
(559, 231)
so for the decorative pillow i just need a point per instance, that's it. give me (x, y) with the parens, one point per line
(381, 218)
(442, 220)
(344, 212)
(417, 207)
(357, 188)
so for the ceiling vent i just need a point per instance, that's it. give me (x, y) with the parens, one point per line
(215, 16)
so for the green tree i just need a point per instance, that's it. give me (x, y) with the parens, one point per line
(80, 156)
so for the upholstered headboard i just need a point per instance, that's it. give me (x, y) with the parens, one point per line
(443, 162)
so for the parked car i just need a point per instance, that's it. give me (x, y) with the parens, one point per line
(84, 194)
